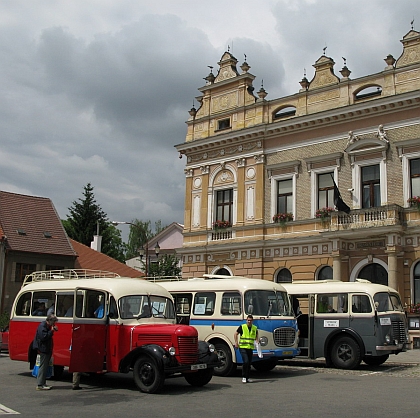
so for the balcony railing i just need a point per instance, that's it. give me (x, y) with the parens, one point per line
(221, 234)
(366, 218)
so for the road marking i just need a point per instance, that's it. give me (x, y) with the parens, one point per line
(4, 410)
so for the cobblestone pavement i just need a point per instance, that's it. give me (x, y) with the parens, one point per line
(402, 365)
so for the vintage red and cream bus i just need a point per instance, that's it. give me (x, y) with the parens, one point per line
(110, 324)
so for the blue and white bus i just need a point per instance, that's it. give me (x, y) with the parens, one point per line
(216, 305)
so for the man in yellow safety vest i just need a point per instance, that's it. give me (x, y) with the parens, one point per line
(248, 334)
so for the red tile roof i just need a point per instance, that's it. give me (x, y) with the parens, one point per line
(94, 260)
(31, 224)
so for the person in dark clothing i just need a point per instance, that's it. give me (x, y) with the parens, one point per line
(43, 343)
(247, 334)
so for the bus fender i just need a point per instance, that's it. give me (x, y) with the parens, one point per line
(220, 338)
(343, 332)
(154, 351)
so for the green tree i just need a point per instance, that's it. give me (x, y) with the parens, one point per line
(167, 265)
(87, 218)
(140, 233)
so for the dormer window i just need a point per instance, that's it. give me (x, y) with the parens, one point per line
(47, 234)
(21, 231)
(223, 124)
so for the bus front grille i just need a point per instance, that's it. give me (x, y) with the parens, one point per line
(284, 337)
(188, 350)
(398, 331)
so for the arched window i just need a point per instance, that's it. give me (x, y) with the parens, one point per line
(284, 112)
(326, 273)
(416, 284)
(223, 272)
(284, 276)
(367, 92)
(375, 273)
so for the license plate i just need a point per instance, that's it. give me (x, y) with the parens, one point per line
(287, 353)
(198, 366)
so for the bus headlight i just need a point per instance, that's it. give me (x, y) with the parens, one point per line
(388, 338)
(263, 341)
(172, 351)
(212, 348)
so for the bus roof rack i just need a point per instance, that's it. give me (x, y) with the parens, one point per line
(68, 274)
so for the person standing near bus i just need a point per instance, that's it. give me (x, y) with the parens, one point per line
(43, 343)
(248, 335)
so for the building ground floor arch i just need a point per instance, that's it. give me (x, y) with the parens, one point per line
(375, 270)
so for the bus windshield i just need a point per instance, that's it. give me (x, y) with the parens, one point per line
(387, 302)
(144, 306)
(267, 303)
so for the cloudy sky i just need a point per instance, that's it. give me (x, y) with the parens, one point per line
(97, 91)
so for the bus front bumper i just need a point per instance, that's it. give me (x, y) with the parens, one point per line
(283, 353)
(396, 347)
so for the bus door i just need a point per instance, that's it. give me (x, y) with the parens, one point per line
(183, 302)
(63, 309)
(362, 319)
(88, 344)
(304, 315)
(331, 312)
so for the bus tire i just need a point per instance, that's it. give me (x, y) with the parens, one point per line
(147, 376)
(264, 365)
(376, 361)
(58, 372)
(200, 378)
(345, 353)
(228, 367)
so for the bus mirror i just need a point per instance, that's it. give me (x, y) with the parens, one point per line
(376, 305)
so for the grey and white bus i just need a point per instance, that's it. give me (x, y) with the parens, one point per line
(347, 322)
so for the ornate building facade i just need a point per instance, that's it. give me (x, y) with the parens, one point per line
(264, 177)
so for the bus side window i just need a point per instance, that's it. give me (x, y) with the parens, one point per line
(23, 306)
(41, 301)
(231, 304)
(204, 303)
(361, 304)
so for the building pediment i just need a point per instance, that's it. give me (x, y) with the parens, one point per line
(376, 144)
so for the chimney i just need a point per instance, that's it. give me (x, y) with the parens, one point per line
(96, 244)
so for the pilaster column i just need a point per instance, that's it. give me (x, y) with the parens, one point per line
(336, 265)
(392, 266)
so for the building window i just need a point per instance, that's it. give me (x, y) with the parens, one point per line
(285, 196)
(371, 186)
(416, 280)
(22, 270)
(326, 273)
(284, 276)
(415, 177)
(223, 124)
(325, 190)
(224, 205)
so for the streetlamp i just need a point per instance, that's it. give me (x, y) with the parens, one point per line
(142, 251)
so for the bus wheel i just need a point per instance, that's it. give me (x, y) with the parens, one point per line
(58, 372)
(147, 376)
(225, 356)
(376, 361)
(264, 365)
(200, 378)
(345, 353)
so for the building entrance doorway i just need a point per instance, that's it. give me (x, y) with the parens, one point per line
(375, 273)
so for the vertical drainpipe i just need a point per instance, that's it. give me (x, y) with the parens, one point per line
(3, 253)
